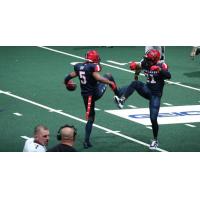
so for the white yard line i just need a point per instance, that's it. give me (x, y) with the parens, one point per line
(167, 104)
(115, 67)
(190, 125)
(78, 119)
(132, 106)
(117, 63)
(18, 114)
(25, 137)
(149, 127)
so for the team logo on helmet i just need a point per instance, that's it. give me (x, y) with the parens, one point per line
(92, 56)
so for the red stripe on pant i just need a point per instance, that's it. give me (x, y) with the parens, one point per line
(88, 107)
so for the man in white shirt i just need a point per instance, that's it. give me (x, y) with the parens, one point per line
(40, 140)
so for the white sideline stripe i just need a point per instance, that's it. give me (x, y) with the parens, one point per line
(97, 109)
(81, 120)
(167, 104)
(18, 114)
(25, 137)
(117, 63)
(190, 125)
(122, 69)
(132, 106)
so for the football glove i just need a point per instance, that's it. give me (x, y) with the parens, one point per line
(133, 65)
(155, 68)
(113, 85)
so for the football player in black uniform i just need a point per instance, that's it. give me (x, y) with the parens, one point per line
(156, 72)
(93, 86)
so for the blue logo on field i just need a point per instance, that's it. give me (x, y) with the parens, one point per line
(171, 114)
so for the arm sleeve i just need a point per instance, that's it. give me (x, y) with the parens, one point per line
(67, 78)
(164, 71)
(97, 68)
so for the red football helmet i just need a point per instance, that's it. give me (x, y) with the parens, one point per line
(92, 56)
(152, 56)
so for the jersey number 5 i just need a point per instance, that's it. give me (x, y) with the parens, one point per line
(82, 77)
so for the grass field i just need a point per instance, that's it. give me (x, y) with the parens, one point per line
(31, 85)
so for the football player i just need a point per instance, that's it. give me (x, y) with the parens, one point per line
(156, 72)
(92, 85)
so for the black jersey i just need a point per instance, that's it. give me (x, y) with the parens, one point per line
(155, 79)
(88, 83)
(62, 148)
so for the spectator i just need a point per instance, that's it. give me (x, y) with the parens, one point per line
(67, 135)
(40, 140)
(195, 51)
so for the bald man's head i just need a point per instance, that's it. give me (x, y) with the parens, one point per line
(68, 133)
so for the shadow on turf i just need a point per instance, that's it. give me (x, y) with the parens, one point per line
(195, 74)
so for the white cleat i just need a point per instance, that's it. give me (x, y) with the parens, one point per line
(153, 145)
(119, 102)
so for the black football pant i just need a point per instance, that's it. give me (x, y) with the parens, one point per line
(89, 102)
(154, 102)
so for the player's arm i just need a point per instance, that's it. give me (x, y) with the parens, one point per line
(101, 79)
(69, 77)
(137, 67)
(163, 70)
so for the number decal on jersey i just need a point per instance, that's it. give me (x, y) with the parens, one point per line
(150, 78)
(82, 77)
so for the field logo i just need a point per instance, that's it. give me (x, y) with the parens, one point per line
(167, 115)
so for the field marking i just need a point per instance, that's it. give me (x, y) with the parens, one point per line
(149, 127)
(117, 63)
(190, 125)
(132, 106)
(115, 67)
(17, 114)
(81, 120)
(167, 104)
(25, 137)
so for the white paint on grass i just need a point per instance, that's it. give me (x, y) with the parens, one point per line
(18, 114)
(167, 104)
(149, 127)
(132, 106)
(190, 125)
(167, 115)
(25, 137)
(117, 63)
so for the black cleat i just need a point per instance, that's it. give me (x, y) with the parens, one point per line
(87, 145)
